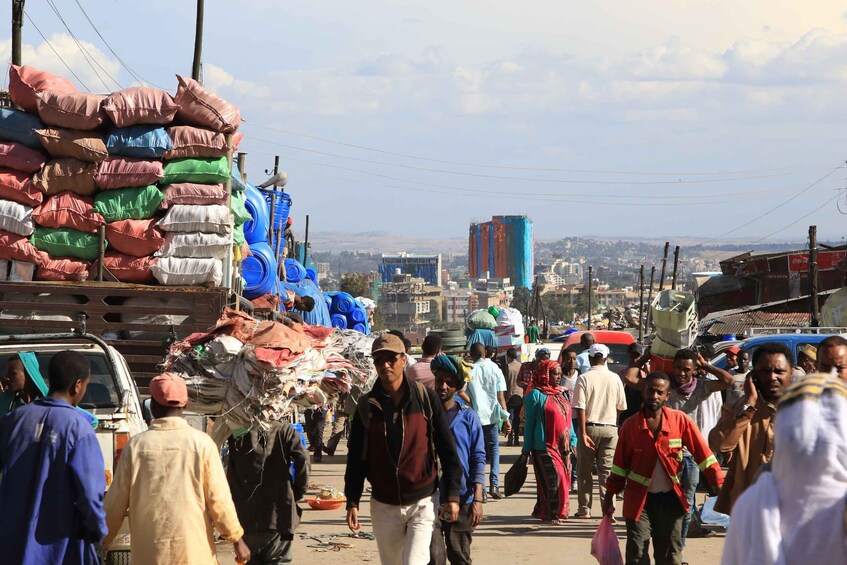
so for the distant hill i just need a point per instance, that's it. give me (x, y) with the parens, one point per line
(384, 242)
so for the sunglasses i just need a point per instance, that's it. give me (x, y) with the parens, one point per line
(383, 359)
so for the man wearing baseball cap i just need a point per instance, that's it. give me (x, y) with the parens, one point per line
(402, 468)
(598, 398)
(171, 480)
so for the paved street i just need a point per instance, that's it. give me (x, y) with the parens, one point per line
(507, 535)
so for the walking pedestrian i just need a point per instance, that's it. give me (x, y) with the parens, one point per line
(832, 356)
(528, 369)
(514, 394)
(646, 469)
(451, 541)
(421, 371)
(268, 472)
(171, 480)
(340, 417)
(314, 422)
(598, 399)
(52, 485)
(487, 393)
(739, 377)
(583, 363)
(568, 382)
(744, 433)
(396, 433)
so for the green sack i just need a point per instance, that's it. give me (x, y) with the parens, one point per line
(138, 203)
(202, 171)
(65, 242)
(238, 236)
(239, 211)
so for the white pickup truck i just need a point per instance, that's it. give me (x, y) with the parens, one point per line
(112, 396)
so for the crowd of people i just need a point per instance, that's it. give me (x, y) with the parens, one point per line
(422, 438)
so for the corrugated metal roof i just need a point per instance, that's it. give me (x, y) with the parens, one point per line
(738, 323)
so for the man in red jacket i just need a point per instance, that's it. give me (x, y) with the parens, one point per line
(647, 466)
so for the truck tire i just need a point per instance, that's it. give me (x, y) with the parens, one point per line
(119, 558)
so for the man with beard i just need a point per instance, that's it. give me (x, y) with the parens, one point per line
(745, 431)
(646, 468)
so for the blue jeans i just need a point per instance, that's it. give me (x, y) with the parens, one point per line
(690, 480)
(491, 434)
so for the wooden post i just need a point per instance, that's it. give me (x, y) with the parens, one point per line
(17, 30)
(610, 317)
(306, 243)
(641, 305)
(101, 251)
(664, 266)
(813, 276)
(228, 270)
(198, 47)
(675, 267)
(650, 299)
(242, 160)
(590, 277)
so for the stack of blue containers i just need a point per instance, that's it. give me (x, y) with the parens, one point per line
(260, 270)
(347, 312)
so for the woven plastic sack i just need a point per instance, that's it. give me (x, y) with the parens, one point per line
(180, 244)
(204, 219)
(68, 210)
(79, 110)
(20, 126)
(26, 82)
(140, 105)
(191, 193)
(188, 271)
(63, 270)
(604, 545)
(62, 175)
(16, 218)
(141, 142)
(85, 146)
(64, 242)
(199, 107)
(240, 215)
(203, 171)
(191, 142)
(126, 172)
(16, 247)
(137, 203)
(481, 320)
(238, 238)
(19, 157)
(137, 238)
(130, 269)
(17, 186)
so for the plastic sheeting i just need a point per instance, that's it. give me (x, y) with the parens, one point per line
(319, 316)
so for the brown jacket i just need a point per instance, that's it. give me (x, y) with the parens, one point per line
(747, 440)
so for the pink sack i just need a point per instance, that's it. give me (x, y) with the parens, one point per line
(17, 186)
(68, 210)
(604, 545)
(63, 270)
(140, 105)
(18, 248)
(19, 157)
(137, 238)
(72, 111)
(60, 175)
(124, 172)
(196, 194)
(25, 82)
(199, 107)
(195, 142)
(130, 269)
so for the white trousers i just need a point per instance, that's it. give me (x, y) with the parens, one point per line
(403, 533)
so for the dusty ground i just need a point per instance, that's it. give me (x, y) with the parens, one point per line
(507, 535)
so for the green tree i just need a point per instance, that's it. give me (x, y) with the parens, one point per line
(521, 300)
(355, 284)
(379, 320)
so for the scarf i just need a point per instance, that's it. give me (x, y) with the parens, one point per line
(541, 378)
(688, 387)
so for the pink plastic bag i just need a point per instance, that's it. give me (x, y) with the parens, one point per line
(604, 545)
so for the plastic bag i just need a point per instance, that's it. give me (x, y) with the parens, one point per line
(604, 545)
(481, 320)
(516, 476)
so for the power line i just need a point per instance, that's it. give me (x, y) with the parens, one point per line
(798, 220)
(85, 54)
(50, 45)
(514, 167)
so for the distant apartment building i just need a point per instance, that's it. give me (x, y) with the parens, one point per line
(458, 304)
(409, 303)
(426, 267)
(502, 248)
(322, 270)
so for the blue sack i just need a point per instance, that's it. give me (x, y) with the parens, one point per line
(18, 126)
(141, 142)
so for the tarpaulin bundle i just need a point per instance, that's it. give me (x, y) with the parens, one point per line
(485, 337)
(319, 316)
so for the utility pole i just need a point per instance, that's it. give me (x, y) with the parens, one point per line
(675, 267)
(242, 160)
(813, 276)
(641, 305)
(664, 266)
(590, 277)
(650, 298)
(198, 42)
(17, 29)
(306, 243)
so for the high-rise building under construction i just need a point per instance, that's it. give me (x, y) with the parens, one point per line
(502, 248)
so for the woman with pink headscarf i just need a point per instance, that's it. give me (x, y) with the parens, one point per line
(547, 441)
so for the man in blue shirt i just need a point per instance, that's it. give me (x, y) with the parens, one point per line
(455, 537)
(53, 478)
(586, 340)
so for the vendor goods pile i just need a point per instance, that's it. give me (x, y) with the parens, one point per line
(347, 312)
(251, 371)
(675, 320)
(510, 329)
(147, 165)
(481, 325)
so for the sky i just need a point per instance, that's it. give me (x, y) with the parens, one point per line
(687, 118)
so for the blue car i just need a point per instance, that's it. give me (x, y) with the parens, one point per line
(793, 341)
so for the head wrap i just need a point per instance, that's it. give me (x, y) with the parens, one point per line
(542, 351)
(541, 377)
(30, 363)
(453, 365)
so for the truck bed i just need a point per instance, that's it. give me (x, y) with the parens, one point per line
(102, 303)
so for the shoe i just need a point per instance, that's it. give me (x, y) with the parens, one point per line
(329, 452)
(311, 449)
(696, 531)
(316, 459)
(582, 514)
(614, 522)
(495, 493)
(619, 496)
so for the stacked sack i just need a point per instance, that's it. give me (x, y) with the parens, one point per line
(104, 165)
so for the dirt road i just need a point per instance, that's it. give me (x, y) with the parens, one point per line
(508, 535)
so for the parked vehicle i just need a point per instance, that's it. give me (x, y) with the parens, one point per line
(617, 342)
(794, 341)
